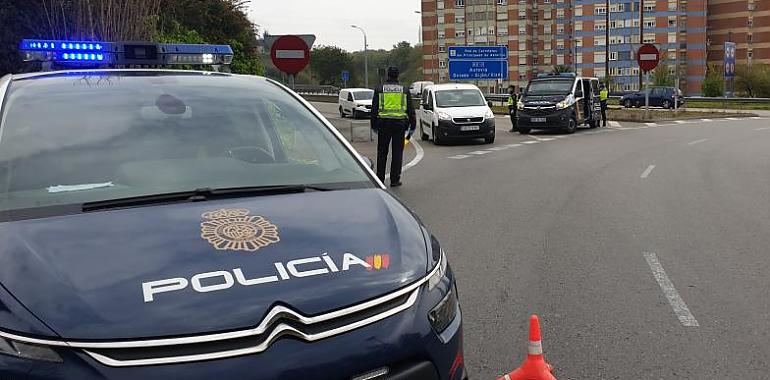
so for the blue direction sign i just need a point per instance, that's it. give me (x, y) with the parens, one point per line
(345, 76)
(478, 70)
(478, 62)
(729, 59)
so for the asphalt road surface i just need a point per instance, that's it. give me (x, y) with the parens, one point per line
(644, 249)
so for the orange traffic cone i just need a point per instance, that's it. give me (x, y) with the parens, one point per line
(534, 367)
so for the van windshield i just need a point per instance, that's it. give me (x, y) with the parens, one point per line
(363, 95)
(550, 87)
(459, 98)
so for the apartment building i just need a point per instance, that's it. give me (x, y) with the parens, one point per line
(745, 22)
(543, 33)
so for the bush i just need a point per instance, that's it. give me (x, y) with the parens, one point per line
(713, 84)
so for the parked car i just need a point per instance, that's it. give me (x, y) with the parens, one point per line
(356, 102)
(559, 101)
(659, 97)
(455, 111)
(417, 88)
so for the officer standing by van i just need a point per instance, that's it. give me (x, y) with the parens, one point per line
(603, 95)
(513, 101)
(392, 115)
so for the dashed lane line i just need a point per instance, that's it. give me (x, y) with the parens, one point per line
(647, 171)
(614, 124)
(480, 152)
(762, 129)
(531, 142)
(674, 299)
(651, 124)
(691, 143)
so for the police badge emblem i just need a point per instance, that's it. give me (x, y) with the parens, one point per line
(236, 230)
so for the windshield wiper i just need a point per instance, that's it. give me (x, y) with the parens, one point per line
(198, 195)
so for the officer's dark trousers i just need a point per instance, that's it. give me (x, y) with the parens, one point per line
(604, 113)
(514, 121)
(390, 132)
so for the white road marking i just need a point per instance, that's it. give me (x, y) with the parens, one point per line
(614, 124)
(513, 145)
(561, 137)
(696, 142)
(651, 124)
(496, 148)
(548, 139)
(480, 152)
(531, 142)
(732, 118)
(706, 120)
(756, 118)
(416, 160)
(676, 302)
(459, 156)
(762, 129)
(682, 122)
(647, 171)
(536, 138)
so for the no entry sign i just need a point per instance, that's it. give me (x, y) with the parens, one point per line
(648, 57)
(290, 54)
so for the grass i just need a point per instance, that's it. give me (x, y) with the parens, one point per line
(727, 104)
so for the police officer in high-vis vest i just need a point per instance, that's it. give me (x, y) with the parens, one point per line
(392, 116)
(604, 93)
(513, 102)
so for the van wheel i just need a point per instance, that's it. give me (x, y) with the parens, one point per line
(436, 138)
(354, 115)
(423, 135)
(571, 127)
(593, 124)
(490, 140)
(342, 113)
(666, 104)
(627, 103)
(524, 131)
(638, 104)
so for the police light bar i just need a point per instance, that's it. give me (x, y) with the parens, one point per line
(96, 53)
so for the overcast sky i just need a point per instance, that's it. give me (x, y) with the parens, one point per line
(386, 21)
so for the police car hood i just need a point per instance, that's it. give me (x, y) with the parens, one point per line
(83, 274)
(542, 100)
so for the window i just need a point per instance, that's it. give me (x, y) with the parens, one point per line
(750, 55)
(614, 8)
(579, 58)
(600, 27)
(502, 2)
(442, 64)
(749, 38)
(522, 60)
(560, 59)
(522, 77)
(649, 38)
(535, 61)
(613, 56)
(470, 32)
(560, 30)
(459, 19)
(750, 23)
(600, 11)
(579, 42)
(440, 5)
(672, 38)
(578, 25)
(441, 49)
(672, 22)
(600, 41)
(502, 16)
(522, 14)
(502, 31)
(560, 46)
(672, 5)
(460, 34)
(441, 34)
(440, 19)
(578, 10)
(616, 24)
(560, 13)
(649, 7)
(522, 30)
(600, 57)
(649, 23)
(546, 15)
(459, 3)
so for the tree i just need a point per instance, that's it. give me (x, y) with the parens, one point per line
(753, 81)
(661, 76)
(713, 84)
(328, 62)
(561, 69)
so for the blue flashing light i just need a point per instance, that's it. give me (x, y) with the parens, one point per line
(99, 57)
(90, 46)
(77, 46)
(66, 56)
(45, 45)
(98, 47)
(63, 45)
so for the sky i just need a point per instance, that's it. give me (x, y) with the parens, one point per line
(386, 21)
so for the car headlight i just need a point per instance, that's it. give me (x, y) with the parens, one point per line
(444, 116)
(28, 351)
(520, 105)
(489, 115)
(361, 107)
(442, 265)
(565, 103)
(444, 313)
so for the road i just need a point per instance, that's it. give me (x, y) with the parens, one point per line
(644, 249)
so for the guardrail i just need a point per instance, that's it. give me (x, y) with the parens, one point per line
(502, 99)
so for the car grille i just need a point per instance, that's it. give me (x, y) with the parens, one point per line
(368, 106)
(539, 111)
(468, 120)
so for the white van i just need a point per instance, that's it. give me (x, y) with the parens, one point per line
(356, 102)
(455, 111)
(417, 87)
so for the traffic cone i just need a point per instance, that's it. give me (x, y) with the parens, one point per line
(534, 367)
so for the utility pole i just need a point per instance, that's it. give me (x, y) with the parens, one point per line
(366, 56)
(607, 46)
(641, 36)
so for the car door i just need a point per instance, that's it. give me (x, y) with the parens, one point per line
(342, 99)
(580, 101)
(426, 112)
(350, 103)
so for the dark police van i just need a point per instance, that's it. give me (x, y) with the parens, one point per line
(559, 101)
(162, 224)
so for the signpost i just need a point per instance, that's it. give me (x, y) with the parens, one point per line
(729, 64)
(478, 62)
(648, 58)
(291, 53)
(345, 77)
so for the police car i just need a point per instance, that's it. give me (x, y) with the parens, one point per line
(160, 224)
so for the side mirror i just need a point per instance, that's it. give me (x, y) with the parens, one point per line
(489, 103)
(427, 107)
(368, 162)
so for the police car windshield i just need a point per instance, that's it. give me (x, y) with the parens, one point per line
(459, 98)
(363, 95)
(77, 138)
(550, 87)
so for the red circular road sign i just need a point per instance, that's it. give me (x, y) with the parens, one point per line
(290, 54)
(648, 57)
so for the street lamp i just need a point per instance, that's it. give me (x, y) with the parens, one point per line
(366, 56)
